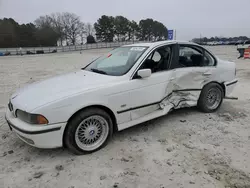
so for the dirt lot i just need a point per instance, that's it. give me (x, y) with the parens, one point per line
(183, 149)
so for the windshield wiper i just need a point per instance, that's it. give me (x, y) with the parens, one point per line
(98, 71)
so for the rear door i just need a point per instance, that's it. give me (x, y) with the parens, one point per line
(190, 73)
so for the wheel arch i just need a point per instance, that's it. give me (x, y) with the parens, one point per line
(201, 103)
(106, 109)
(220, 84)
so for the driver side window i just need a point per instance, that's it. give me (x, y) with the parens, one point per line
(158, 60)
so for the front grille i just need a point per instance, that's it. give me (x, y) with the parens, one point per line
(10, 106)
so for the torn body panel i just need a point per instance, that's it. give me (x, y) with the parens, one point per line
(175, 100)
(186, 87)
(182, 90)
(181, 99)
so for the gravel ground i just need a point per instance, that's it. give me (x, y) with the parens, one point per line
(183, 149)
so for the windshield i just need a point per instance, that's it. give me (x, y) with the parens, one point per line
(117, 62)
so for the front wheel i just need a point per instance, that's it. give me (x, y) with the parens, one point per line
(211, 98)
(88, 131)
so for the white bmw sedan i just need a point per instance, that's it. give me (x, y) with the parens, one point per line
(129, 85)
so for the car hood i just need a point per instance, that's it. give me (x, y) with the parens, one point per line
(40, 93)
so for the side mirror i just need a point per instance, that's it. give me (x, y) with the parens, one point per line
(144, 73)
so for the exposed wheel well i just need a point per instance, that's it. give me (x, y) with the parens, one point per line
(106, 109)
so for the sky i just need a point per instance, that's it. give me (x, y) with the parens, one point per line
(190, 18)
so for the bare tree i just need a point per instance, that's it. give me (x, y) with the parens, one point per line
(89, 29)
(68, 27)
(44, 21)
(54, 21)
(83, 32)
(72, 26)
(57, 21)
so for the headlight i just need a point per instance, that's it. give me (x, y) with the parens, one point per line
(31, 118)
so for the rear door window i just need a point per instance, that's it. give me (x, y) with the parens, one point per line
(190, 56)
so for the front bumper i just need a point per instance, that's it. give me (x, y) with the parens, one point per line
(40, 136)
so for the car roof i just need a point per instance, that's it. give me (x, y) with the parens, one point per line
(154, 44)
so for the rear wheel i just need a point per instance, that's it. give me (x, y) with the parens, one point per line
(211, 98)
(88, 131)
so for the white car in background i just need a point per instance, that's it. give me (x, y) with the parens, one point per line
(129, 85)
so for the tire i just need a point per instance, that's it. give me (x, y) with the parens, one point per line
(86, 127)
(205, 102)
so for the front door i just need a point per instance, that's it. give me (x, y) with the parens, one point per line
(149, 92)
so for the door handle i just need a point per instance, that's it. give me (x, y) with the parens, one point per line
(207, 73)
